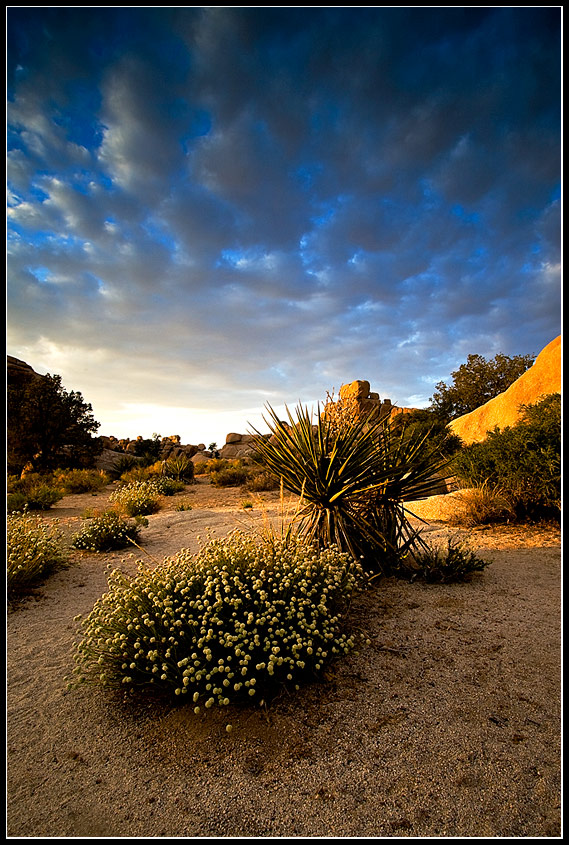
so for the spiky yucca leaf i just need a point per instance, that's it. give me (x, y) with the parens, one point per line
(352, 480)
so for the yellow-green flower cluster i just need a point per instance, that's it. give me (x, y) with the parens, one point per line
(137, 498)
(234, 621)
(33, 550)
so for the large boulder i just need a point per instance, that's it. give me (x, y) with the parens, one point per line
(543, 378)
(358, 389)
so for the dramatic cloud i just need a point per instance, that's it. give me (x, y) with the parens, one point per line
(214, 208)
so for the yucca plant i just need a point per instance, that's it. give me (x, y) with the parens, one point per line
(180, 468)
(353, 476)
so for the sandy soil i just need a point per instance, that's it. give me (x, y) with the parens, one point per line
(447, 725)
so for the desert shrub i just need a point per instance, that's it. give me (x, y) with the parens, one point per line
(168, 486)
(81, 480)
(34, 550)
(14, 484)
(107, 531)
(427, 422)
(137, 498)
(36, 491)
(231, 476)
(522, 462)
(482, 505)
(353, 475)
(141, 473)
(41, 497)
(234, 622)
(16, 502)
(181, 468)
(183, 506)
(259, 479)
(436, 564)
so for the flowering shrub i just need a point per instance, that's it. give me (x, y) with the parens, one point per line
(168, 486)
(235, 621)
(137, 498)
(108, 531)
(33, 551)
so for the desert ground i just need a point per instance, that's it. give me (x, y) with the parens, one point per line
(447, 724)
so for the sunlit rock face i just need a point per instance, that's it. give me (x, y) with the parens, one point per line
(543, 378)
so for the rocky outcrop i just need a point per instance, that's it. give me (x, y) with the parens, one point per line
(543, 378)
(366, 402)
(238, 446)
(356, 396)
(18, 372)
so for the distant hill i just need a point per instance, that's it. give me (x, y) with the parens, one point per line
(543, 378)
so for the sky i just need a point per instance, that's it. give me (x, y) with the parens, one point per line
(215, 209)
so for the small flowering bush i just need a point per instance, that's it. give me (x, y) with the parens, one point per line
(233, 622)
(137, 498)
(168, 486)
(107, 531)
(34, 550)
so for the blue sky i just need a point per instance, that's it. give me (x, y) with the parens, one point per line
(215, 208)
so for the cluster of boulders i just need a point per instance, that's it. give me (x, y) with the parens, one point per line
(170, 447)
(367, 402)
(239, 445)
(113, 449)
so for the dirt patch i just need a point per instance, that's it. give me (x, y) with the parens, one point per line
(447, 724)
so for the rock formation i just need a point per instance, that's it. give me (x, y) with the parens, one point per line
(366, 402)
(18, 372)
(238, 446)
(543, 378)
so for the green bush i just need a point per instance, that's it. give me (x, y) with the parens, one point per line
(41, 497)
(183, 506)
(142, 473)
(522, 462)
(105, 532)
(34, 550)
(81, 480)
(137, 498)
(211, 465)
(231, 476)
(259, 480)
(16, 501)
(36, 491)
(169, 486)
(353, 475)
(234, 622)
(439, 565)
